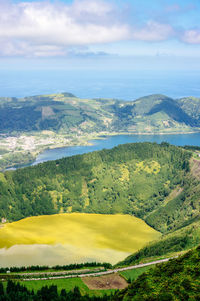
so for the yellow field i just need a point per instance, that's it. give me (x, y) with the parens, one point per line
(75, 237)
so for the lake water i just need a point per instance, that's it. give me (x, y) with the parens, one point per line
(111, 141)
(72, 238)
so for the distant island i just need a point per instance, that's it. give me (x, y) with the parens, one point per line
(31, 124)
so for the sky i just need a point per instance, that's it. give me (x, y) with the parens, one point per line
(50, 33)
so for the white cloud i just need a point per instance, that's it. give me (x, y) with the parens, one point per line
(31, 27)
(191, 36)
(153, 31)
(45, 28)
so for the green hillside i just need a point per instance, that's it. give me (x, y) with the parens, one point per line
(191, 106)
(133, 179)
(183, 239)
(65, 112)
(56, 112)
(178, 279)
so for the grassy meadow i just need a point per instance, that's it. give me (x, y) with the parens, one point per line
(135, 273)
(75, 237)
(67, 284)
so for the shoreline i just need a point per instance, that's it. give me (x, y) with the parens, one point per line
(105, 136)
(88, 141)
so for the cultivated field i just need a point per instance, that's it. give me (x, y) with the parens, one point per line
(114, 281)
(75, 237)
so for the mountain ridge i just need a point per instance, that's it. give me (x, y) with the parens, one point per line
(62, 104)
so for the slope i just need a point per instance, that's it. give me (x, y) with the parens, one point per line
(178, 218)
(178, 279)
(131, 179)
(56, 112)
(65, 112)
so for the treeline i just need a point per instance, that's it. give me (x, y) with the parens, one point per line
(56, 267)
(178, 279)
(15, 291)
(131, 179)
(15, 159)
(192, 147)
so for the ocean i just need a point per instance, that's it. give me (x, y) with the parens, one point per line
(124, 85)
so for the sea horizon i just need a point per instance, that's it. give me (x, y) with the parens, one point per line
(124, 85)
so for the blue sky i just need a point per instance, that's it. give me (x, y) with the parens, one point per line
(99, 30)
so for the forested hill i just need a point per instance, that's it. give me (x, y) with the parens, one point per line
(65, 112)
(178, 279)
(133, 179)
